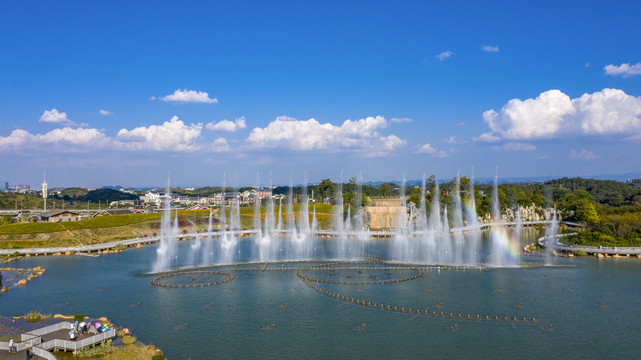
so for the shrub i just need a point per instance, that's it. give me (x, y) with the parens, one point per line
(128, 339)
(35, 316)
(79, 317)
(96, 351)
(158, 357)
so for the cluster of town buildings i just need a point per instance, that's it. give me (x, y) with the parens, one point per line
(150, 201)
(248, 197)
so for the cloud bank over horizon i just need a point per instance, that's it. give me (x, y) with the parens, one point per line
(553, 114)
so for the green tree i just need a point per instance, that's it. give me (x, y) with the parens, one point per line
(326, 189)
(385, 189)
(415, 195)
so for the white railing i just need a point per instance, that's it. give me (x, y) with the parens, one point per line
(32, 339)
(48, 329)
(43, 353)
(79, 344)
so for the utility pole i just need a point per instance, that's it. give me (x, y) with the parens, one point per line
(45, 187)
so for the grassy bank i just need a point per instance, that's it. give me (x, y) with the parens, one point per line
(104, 229)
(93, 223)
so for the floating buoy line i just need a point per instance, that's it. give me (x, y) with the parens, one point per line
(376, 263)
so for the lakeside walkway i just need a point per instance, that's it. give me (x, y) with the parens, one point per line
(153, 239)
(592, 250)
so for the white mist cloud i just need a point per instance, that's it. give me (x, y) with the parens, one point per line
(490, 48)
(104, 112)
(444, 55)
(400, 120)
(188, 96)
(582, 154)
(515, 146)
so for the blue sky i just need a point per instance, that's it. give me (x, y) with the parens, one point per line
(205, 88)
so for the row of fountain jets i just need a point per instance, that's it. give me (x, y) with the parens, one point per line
(418, 238)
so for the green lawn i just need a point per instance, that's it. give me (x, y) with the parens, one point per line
(93, 223)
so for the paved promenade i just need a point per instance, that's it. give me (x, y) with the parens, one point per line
(594, 250)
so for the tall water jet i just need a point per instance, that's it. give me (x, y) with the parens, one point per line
(208, 249)
(503, 247)
(495, 235)
(400, 248)
(305, 228)
(419, 240)
(516, 237)
(194, 250)
(360, 221)
(167, 248)
(261, 244)
(295, 242)
(459, 240)
(279, 227)
(339, 222)
(474, 235)
(228, 238)
(494, 203)
(268, 244)
(431, 245)
(551, 233)
(314, 221)
(445, 244)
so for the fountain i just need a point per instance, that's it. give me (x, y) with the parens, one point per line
(166, 251)
(551, 234)
(448, 237)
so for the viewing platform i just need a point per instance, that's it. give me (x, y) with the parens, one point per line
(53, 337)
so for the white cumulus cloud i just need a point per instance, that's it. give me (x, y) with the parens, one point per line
(54, 116)
(490, 48)
(444, 55)
(66, 138)
(355, 135)
(228, 126)
(426, 149)
(625, 70)
(104, 112)
(553, 114)
(171, 135)
(188, 96)
(219, 145)
(434, 152)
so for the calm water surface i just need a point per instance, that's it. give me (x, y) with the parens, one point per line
(592, 306)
